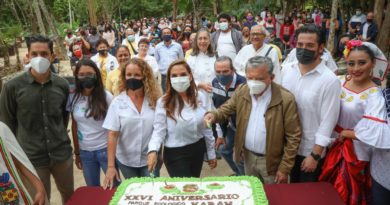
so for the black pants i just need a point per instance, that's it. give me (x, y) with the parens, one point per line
(380, 195)
(185, 161)
(163, 82)
(297, 175)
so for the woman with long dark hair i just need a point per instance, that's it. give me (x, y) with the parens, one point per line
(130, 121)
(184, 38)
(179, 125)
(89, 105)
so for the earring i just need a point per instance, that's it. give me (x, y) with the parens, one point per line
(348, 77)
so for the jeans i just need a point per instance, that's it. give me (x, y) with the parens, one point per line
(92, 162)
(297, 175)
(129, 172)
(163, 82)
(227, 153)
(380, 195)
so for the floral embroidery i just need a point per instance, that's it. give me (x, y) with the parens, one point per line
(342, 95)
(350, 99)
(8, 193)
(364, 96)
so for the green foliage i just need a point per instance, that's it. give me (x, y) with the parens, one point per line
(10, 32)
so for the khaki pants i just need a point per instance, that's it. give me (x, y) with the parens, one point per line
(63, 176)
(256, 166)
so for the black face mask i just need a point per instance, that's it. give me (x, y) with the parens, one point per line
(305, 56)
(93, 32)
(87, 82)
(370, 20)
(134, 84)
(102, 52)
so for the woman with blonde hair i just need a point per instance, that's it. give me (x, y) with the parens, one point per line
(129, 121)
(114, 77)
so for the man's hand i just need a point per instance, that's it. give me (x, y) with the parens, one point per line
(209, 119)
(77, 161)
(39, 198)
(212, 163)
(220, 141)
(111, 173)
(281, 178)
(309, 164)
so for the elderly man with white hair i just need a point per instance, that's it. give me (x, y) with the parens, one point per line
(130, 42)
(267, 123)
(258, 48)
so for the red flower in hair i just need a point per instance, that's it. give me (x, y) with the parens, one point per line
(350, 45)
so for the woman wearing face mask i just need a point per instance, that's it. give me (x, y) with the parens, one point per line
(201, 62)
(104, 60)
(130, 122)
(77, 55)
(286, 32)
(362, 132)
(143, 47)
(270, 25)
(89, 105)
(93, 39)
(113, 79)
(179, 125)
(109, 35)
(184, 39)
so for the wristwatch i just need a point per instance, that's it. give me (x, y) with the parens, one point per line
(315, 156)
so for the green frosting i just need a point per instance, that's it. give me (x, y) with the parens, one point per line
(258, 193)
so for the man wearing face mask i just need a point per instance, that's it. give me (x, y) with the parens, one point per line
(356, 21)
(369, 29)
(33, 106)
(258, 48)
(227, 41)
(268, 131)
(224, 85)
(316, 89)
(130, 42)
(166, 52)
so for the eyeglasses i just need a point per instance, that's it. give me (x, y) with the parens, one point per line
(257, 34)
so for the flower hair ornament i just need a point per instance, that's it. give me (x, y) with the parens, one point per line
(350, 45)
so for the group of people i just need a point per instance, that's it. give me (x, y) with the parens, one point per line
(147, 102)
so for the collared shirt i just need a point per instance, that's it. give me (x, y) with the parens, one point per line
(36, 114)
(365, 29)
(135, 129)
(113, 82)
(317, 96)
(165, 55)
(249, 51)
(105, 65)
(151, 62)
(187, 129)
(256, 132)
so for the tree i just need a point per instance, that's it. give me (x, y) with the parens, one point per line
(378, 12)
(92, 12)
(332, 30)
(38, 15)
(383, 40)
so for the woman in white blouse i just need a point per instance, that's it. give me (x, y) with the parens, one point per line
(202, 62)
(179, 126)
(143, 48)
(109, 35)
(129, 122)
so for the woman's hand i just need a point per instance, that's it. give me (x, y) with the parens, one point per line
(109, 179)
(152, 161)
(40, 196)
(212, 163)
(77, 161)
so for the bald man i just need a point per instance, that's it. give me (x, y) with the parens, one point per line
(369, 29)
(258, 48)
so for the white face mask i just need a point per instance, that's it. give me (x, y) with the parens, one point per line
(223, 26)
(40, 64)
(256, 87)
(180, 84)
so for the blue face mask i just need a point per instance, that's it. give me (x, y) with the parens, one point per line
(131, 38)
(167, 37)
(225, 79)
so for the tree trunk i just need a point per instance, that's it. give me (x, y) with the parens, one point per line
(174, 9)
(38, 15)
(285, 7)
(342, 15)
(197, 19)
(332, 29)
(60, 50)
(92, 12)
(19, 64)
(383, 40)
(215, 12)
(11, 5)
(378, 12)
(22, 11)
(32, 18)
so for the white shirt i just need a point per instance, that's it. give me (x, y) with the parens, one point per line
(317, 96)
(326, 57)
(135, 129)
(225, 45)
(365, 29)
(111, 63)
(90, 133)
(188, 129)
(152, 63)
(256, 133)
(249, 51)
